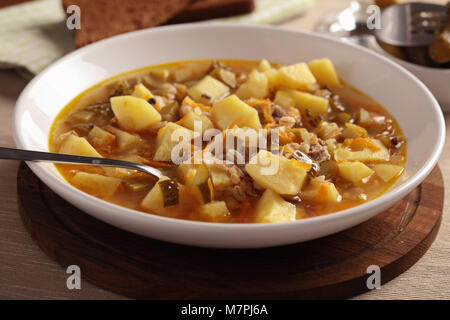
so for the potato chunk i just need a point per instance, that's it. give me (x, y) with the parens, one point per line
(143, 92)
(284, 99)
(154, 201)
(95, 184)
(124, 139)
(193, 174)
(219, 177)
(134, 114)
(364, 155)
(273, 78)
(296, 76)
(208, 90)
(168, 138)
(100, 138)
(324, 72)
(233, 110)
(353, 131)
(321, 191)
(78, 146)
(356, 172)
(277, 173)
(387, 172)
(257, 86)
(189, 120)
(272, 208)
(215, 211)
(310, 104)
(264, 65)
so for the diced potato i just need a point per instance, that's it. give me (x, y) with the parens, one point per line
(100, 138)
(160, 74)
(310, 104)
(273, 78)
(182, 75)
(134, 114)
(208, 90)
(328, 130)
(387, 172)
(319, 190)
(193, 174)
(264, 65)
(124, 139)
(256, 86)
(296, 76)
(154, 201)
(353, 131)
(95, 184)
(141, 91)
(365, 155)
(78, 146)
(272, 208)
(188, 121)
(284, 99)
(215, 211)
(364, 116)
(324, 72)
(277, 173)
(233, 110)
(167, 140)
(356, 172)
(219, 177)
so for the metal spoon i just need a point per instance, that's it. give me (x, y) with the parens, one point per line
(27, 155)
(412, 24)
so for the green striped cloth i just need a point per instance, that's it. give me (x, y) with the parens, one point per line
(34, 34)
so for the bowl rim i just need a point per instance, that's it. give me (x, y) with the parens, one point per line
(389, 196)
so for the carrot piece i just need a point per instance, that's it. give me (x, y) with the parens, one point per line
(211, 189)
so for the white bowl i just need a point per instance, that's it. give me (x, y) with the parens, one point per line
(399, 91)
(437, 80)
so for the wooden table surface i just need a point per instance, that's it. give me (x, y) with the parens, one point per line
(27, 273)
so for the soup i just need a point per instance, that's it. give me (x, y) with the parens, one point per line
(237, 141)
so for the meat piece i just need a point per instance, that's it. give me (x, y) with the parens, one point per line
(241, 188)
(278, 111)
(316, 149)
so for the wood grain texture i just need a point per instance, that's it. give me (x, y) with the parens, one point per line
(333, 267)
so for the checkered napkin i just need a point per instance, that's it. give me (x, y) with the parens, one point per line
(34, 34)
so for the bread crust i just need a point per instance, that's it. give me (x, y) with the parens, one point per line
(211, 9)
(101, 19)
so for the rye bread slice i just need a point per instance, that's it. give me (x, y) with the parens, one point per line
(211, 9)
(101, 19)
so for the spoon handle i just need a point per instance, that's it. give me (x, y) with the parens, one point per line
(27, 155)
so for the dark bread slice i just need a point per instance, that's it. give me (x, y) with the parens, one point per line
(101, 19)
(211, 9)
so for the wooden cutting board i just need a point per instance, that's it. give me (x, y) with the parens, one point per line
(327, 268)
